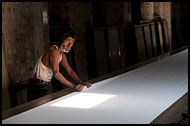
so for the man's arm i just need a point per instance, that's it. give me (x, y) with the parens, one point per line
(71, 72)
(54, 55)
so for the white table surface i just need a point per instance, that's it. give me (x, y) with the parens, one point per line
(135, 97)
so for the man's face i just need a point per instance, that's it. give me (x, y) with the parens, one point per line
(67, 44)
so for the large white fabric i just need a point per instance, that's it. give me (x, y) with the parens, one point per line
(135, 97)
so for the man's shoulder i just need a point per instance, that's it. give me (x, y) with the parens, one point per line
(53, 51)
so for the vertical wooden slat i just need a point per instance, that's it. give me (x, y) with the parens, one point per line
(100, 45)
(130, 45)
(6, 103)
(91, 53)
(148, 40)
(158, 37)
(140, 42)
(153, 39)
(166, 41)
(114, 50)
(161, 37)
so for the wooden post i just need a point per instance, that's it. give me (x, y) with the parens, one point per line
(153, 39)
(101, 51)
(166, 41)
(161, 37)
(114, 48)
(140, 42)
(148, 43)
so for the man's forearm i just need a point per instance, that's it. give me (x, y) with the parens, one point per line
(63, 80)
(75, 77)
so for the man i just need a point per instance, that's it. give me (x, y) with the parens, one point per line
(48, 66)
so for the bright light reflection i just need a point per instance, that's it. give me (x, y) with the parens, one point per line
(83, 100)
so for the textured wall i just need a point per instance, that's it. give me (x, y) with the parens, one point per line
(114, 14)
(78, 16)
(25, 36)
(81, 18)
(58, 13)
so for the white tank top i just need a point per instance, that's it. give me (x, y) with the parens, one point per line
(42, 72)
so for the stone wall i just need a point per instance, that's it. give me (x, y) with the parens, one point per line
(25, 37)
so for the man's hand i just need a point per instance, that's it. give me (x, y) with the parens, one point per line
(87, 84)
(79, 87)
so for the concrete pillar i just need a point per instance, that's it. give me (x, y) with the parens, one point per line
(147, 11)
(162, 10)
(166, 14)
(142, 12)
(157, 9)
